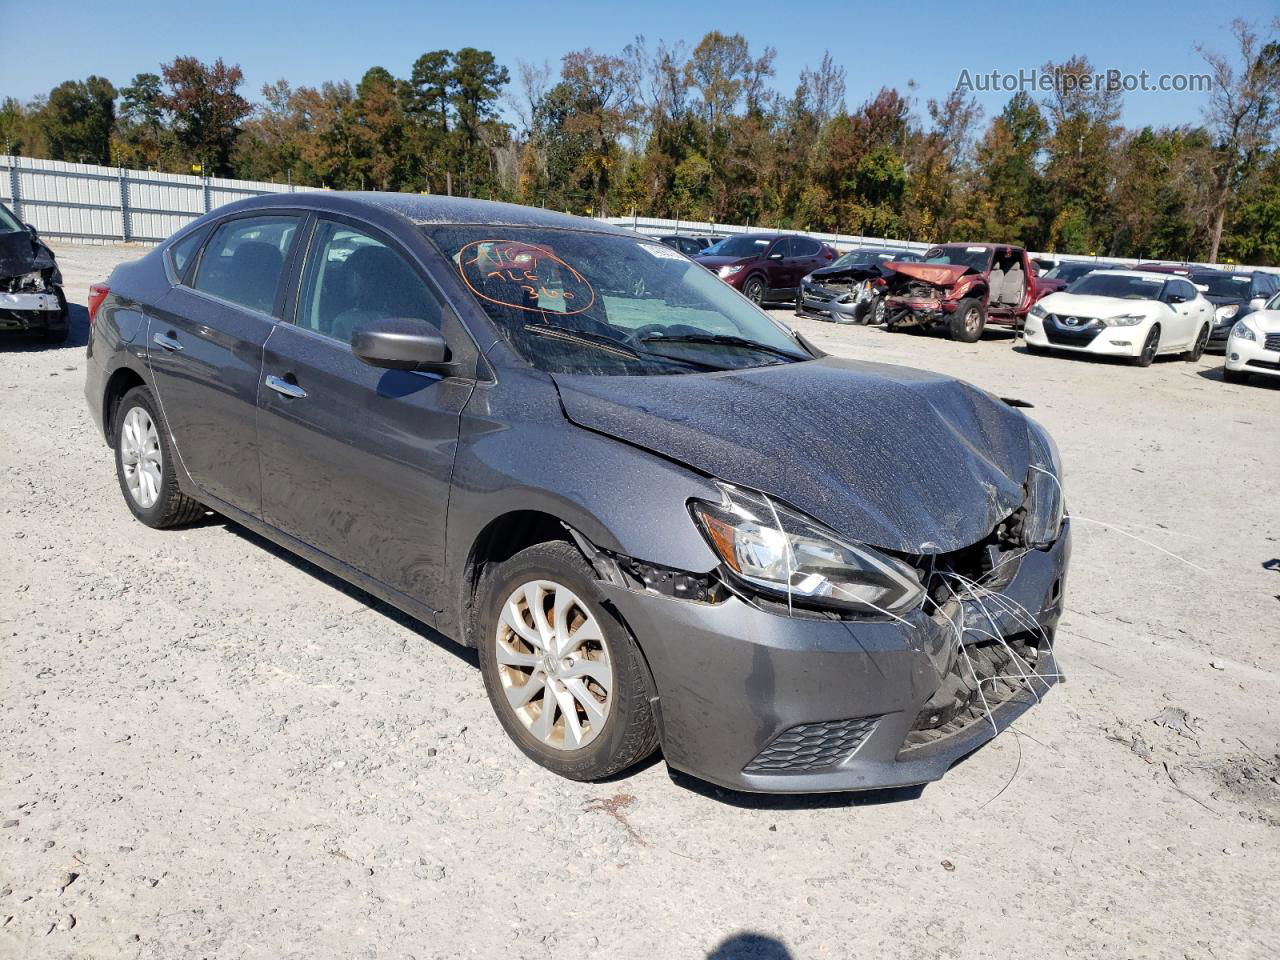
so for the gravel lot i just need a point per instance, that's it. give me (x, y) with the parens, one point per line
(208, 748)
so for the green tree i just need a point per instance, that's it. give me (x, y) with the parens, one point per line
(78, 119)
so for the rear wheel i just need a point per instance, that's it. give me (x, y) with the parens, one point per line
(968, 322)
(1149, 348)
(753, 290)
(144, 464)
(1197, 349)
(565, 678)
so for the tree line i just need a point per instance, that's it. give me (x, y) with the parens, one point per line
(701, 133)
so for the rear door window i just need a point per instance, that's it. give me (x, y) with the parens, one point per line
(804, 247)
(782, 248)
(245, 259)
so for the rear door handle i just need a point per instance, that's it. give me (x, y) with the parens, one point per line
(285, 388)
(166, 341)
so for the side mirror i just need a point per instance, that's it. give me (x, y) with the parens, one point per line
(1258, 303)
(32, 230)
(1202, 287)
(775, 256)
(1177, 298)
(401, 343)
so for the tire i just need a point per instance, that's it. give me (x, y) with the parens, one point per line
(56, 334)
(1235, 376)
(628, 733)
(874, 317)
(1197, 349)
(153, 474)
(968, 322)
(1149, 348)
(753, 290)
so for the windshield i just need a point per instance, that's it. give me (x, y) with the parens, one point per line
(571, 302)
(1119, 286)
(1070, 272)
(8, 221)
(1224, 285)
(739, 247)
(975, 258)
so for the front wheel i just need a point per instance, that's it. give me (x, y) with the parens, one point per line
(1197, 349)
(1149, 348)
(875, 316)
(144, 464)
(753, 290)
(969, 320)
(565, 678)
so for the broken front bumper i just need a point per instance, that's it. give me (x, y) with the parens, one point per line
(31, 311)
(757, 701)
(840, 306)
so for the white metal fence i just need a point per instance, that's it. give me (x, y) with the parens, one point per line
(92, 204)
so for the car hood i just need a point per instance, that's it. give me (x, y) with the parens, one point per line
(1218, 300)
(21, 253)
(938, 274)
(1268, 321)
(897, 458)
(1085, 305)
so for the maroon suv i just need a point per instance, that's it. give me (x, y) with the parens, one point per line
(766, 267)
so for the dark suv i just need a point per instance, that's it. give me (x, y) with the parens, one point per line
(767, 267)
(1233, 295)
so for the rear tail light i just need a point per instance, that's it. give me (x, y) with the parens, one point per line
(97, 293)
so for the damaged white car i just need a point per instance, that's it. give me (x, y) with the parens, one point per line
(31, 298)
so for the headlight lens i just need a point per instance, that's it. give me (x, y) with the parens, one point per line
(1045, 505)
(728, 271)
(1242, 331)
(1125, 320)
(786, 554)
(1039, 311)
(1226, 311)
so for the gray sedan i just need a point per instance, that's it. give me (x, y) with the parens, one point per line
(664, 519)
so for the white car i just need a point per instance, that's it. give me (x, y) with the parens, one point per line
(1254, 345)
(1123, 313)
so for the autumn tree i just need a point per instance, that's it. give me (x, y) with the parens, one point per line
(205, 108)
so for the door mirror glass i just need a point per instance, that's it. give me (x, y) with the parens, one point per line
(32, 230)
(400, 343)
(1257, 303)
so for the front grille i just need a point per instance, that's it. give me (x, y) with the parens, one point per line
(812, 746)
(1002, 671)
(1272, 341)
(1058, 331)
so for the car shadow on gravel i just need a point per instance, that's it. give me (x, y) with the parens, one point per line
(466, 654)
(1094, 358)
(77, 319)
(1262, 380)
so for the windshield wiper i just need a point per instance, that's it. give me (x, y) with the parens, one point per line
(724, 340)
(604, 342)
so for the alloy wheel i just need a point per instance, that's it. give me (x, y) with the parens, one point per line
(553, 662)
(972, 321)
(755, 290)
(141, 457)
(1150, 346)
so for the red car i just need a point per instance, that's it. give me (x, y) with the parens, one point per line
(766, 267)
(964, 286)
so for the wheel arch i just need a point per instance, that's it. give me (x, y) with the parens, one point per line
(119, 383)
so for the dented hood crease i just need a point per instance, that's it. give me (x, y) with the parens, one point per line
(897, 458)
(938, 274)
(21, 253)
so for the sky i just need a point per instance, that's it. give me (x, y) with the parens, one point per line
(931, 44)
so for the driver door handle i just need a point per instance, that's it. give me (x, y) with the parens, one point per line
(285, 388)
(164, 340)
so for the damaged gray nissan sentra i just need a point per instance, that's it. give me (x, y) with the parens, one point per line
(663, 518)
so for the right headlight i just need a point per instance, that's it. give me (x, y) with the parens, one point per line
(1045, 505)
(1226, 312)
(794, 559)
(1242, 331)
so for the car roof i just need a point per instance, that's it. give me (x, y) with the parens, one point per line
(1141, 274)
(429, 209)
(985, 246)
